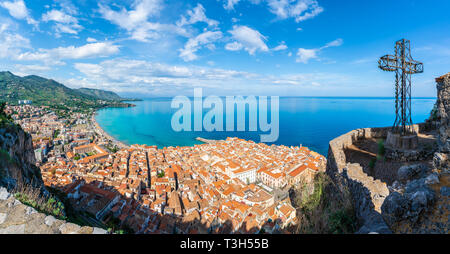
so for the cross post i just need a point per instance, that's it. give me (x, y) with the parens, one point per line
(404, 66)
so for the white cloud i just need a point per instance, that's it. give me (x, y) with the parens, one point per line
(248, 39)
(233, 46)
(54, 56)
(300, 10)
(25, 70)
(196, 15)
(194, 44)
(135, 21)
(58, 16)
(18, 10)
(304, 55)
(280, 47)
(229, 4)
(11, 44)
(139, 76)
(89, 39)
(335, 43)
(150, 78)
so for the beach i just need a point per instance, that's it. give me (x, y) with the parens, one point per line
(105, 135)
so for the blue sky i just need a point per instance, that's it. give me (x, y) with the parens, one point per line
(152, 48)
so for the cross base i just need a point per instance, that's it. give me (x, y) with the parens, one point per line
(401, 142)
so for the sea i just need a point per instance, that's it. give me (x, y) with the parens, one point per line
(306, 121)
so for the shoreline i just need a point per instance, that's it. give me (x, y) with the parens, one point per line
(102, 132)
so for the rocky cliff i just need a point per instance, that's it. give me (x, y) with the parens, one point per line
(443, 118)
(17, 161)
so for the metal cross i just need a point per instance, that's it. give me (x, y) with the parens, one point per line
(404, 66)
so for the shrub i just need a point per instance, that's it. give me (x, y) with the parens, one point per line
(31, 196)
(372, 163)
(381, 148)
(327, 210)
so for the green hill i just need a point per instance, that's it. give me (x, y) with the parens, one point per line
(47, 92)
(100, 94)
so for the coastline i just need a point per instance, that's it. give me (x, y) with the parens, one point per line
(103, 133)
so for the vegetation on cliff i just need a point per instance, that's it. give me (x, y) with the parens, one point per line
(323, 208)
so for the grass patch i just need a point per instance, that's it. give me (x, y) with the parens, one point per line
(31, 196)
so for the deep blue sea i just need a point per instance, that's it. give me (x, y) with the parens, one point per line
(310, 121)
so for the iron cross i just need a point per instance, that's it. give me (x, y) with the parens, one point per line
(404, 66)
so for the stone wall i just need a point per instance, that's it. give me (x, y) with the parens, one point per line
(368, 193)
(17, 218)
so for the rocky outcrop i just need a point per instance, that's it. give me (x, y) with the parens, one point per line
(17, 218)
(409, 201)
(443, 118)
(18, 159)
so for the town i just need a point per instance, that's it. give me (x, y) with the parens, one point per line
(226, 186)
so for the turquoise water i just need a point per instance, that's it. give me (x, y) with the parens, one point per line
(312, 122)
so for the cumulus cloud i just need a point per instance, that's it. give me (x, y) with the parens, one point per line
(65, 23)
(280, 47)
(229, 4)
(54, 56)
(234, 46)
(18, 10)
(196, 15)
(30, 69)
(135, 21)
(305, 55)
(153, 78)
(144, 76)
(11, 43)
(194, 44)
(300, 10)
(248, 39)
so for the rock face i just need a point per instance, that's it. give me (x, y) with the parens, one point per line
(17, 218)
(18, 160)
(443, 118)
(411, 200)
(409, 172)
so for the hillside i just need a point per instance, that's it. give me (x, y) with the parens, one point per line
(47, 92)
(100, 94)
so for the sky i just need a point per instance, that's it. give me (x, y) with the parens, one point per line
(163, 48)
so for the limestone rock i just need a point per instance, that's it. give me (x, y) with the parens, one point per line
(445, 191)
(394, 208)
(432, 179)
(2, 217)
(4, 195)
(99, 231)
(69, 228)
(49, 220)
(409, 172)
(14, 229)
